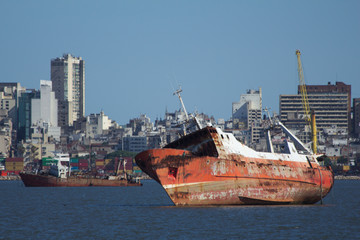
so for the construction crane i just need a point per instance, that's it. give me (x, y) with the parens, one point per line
(309, 115)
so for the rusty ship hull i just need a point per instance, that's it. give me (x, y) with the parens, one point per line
(210, 167)
(37, 180)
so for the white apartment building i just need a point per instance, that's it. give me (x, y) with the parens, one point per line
(247, 113)
(249, 108)
(44, 109)
(44, 112)
(97, 124)
(68, 82)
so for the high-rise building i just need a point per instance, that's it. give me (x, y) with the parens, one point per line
(249, 108)
(330, 110)
(247, 113)
(68, 83)
(44, 109)
(10, 93)
(44, 112)
(25, 107)
(356, 116)
(5, 133)
(338, 87)
(331, 104)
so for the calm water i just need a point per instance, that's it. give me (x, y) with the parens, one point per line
(147, 213)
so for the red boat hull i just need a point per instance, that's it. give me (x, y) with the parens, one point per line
(205, 180)
(34, 180)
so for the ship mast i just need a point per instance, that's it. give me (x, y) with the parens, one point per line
(270, 147)
(177, 92)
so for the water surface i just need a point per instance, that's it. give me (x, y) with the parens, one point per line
(147, 213)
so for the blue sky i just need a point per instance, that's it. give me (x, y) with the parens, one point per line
(137, 52)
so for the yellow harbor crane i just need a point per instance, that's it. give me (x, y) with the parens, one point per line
(309, 115)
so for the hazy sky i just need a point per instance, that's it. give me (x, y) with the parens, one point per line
(137, 52)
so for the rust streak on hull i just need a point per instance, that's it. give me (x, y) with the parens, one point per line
(223, 177)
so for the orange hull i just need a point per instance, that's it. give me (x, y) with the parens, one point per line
(192, 179)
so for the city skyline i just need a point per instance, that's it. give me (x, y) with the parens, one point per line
(138, 54)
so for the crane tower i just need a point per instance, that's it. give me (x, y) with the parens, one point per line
(309, 114)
